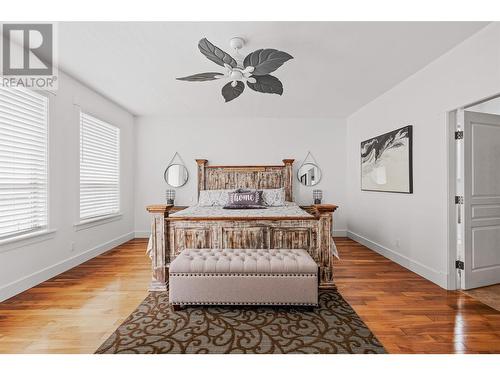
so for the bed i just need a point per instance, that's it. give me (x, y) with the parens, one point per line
(291, 226)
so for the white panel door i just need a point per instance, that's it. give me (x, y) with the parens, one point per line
(482, 199)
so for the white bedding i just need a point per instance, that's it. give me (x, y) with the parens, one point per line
(290, 209)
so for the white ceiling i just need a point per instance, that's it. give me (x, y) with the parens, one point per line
(337, 67)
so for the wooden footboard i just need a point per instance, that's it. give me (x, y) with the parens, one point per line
(172, 235)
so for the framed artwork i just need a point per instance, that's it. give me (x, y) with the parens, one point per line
(386, 162)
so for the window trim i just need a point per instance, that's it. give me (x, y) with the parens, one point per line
(96, 221)
(26, 239)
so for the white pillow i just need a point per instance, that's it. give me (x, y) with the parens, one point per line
(274, 197)
(214, 197)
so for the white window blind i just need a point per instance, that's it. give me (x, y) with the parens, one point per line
(23, 162)
(99, 168)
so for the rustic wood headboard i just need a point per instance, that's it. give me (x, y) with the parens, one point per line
(212, 177)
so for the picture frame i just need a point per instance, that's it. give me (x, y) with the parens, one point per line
(387, 162)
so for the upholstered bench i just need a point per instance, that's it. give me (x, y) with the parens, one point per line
(243, 277)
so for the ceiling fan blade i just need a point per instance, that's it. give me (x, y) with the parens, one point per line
(266, 61)
(267, 84)
(215, 54)
(229, 92)
(200, 77)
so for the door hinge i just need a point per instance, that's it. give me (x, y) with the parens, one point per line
(459, 134)
(459, 199)
(459, 265)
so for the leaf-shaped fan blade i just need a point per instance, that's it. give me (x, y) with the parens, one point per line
(200, 77)
(267, 84)
(215, 54)
(266, 61)
(229, 92)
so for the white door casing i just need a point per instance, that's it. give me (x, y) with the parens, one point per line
(481, 199)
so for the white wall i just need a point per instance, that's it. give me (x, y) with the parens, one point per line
(412, 229)
(237, 141)
(27, 263)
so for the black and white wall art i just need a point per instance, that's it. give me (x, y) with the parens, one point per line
(386, 162)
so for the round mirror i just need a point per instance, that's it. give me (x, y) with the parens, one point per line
(176, 175)
(309, 174)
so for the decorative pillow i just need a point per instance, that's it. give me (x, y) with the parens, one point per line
(242, 199)
(274, 197)
(214, 197)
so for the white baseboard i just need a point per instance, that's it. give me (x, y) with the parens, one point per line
(142, 233)
(340, 233)
(38, 277)
(430, 274)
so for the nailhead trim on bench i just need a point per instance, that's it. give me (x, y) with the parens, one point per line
(245, 303)
(244, 274)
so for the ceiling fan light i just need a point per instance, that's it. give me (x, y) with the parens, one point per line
(236, 75)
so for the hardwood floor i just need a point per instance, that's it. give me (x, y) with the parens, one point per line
(77, 310)
(408, 313)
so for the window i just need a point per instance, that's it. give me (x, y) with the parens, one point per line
(23, 162)
(99, 168)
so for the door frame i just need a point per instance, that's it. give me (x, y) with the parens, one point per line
(453, 282)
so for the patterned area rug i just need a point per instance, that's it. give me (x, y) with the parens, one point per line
(154, 327)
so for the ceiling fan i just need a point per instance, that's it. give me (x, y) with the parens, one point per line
(253, 69)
